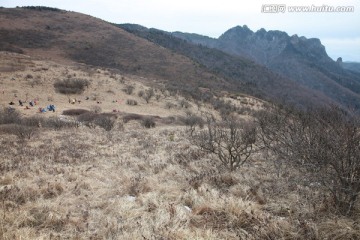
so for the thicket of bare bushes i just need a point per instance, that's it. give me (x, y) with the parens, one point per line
(148, 122)
(323, 144)
(145, 120)
(128, 89)
(230, 140)
(103, 120)
(131, 102)
(192, 121)
(148, 95)
(71, 86)
(74, 112)
(11, 122)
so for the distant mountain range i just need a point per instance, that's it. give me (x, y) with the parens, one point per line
(247, 75)
(267, 64)
(298, 58)
(353, 66)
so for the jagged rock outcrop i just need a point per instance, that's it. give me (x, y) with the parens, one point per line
(302, 59)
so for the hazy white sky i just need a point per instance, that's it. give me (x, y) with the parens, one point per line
(339, 32)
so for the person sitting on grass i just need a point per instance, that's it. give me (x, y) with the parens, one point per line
(51, 107)
(42, 110)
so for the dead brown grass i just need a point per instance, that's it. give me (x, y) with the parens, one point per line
(133, 182)
(78, 184)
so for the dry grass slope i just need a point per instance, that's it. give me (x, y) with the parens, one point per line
(132, 182)
(72, 37)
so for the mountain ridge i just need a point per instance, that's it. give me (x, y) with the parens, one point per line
(164, 57)
(299, 58)
(235, 68)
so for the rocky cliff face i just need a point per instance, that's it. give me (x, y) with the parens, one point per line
(303, 60)
(264, 46)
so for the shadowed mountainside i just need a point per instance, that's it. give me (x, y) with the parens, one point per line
(252, 77)
(301, 59)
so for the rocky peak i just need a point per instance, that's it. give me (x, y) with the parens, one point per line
(339, 61)
(237, 32)
(311, 47)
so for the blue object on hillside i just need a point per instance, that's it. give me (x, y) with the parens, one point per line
(51, 108)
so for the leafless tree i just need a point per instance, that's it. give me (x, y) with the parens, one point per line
(230, 141)
(129, 89)
(323, 143)
(148, 95)
(191, 121)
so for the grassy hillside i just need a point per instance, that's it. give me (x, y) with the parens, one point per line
(69, 36)
(124, 156)
(87, 181)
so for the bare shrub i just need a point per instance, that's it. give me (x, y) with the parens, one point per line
(71, 86)
(141, 93)
(32, 121)
(96, 109)
(128, 89)
(132, 116)
(148, 122)
(170, 105)
(323, 144)
(225, 108)
(131, 102)
(191, 121)
(168, 120)
(87, 117)
(122, 80)
(104, 120)
(7, 117)
(184, 104)
(57, 124)
(23, 132)
(74, 112)
(107, 122)
(148, 95)
(232, 143)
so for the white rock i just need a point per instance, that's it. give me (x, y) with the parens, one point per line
(187, 208)
(131, 198)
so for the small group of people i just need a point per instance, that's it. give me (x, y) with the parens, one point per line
(73, 101)
(21, 103)
(33, 102)
(50, 108)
